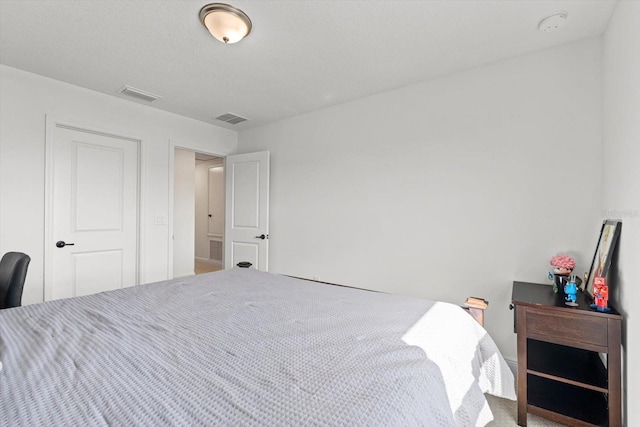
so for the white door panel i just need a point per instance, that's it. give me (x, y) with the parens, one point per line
(98, 170)
(94, 210)
(247, 210)
(97, 271)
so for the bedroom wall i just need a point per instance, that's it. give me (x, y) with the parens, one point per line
(25, 100)
(621, 180)
(184, 208)
(453, 187)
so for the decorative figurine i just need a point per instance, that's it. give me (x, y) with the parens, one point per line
(571, 291)
(600, 294)
(562, 265)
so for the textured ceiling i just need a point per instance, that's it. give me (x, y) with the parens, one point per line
(300, 56)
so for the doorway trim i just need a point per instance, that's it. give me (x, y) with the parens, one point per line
(51, 122)
(173, 145)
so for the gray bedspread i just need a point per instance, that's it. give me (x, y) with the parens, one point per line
(242, 347)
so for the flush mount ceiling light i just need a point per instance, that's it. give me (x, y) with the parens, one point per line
(553, 22)
(225, 22)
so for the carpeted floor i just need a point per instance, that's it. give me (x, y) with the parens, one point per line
(505, 413)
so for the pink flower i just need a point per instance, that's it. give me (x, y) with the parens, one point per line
(563, 261)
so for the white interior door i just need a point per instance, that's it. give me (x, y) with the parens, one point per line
(247, 210)
(92, 240)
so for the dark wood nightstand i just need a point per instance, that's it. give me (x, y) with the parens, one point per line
(561, 375)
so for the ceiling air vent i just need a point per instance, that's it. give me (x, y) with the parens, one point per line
(231, 118)
(138, 94)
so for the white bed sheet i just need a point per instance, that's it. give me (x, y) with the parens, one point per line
(242, 347)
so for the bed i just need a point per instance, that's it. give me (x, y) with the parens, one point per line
(244, 347)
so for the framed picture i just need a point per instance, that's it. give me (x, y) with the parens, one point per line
(604, 252)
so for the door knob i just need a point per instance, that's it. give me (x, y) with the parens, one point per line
(62, 244)
(262, 236)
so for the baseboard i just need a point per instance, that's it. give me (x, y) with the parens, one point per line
(209, 261)
(179, 276)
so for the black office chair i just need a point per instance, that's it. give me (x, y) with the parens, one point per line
(13, 271)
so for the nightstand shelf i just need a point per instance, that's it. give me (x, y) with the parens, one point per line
(549, 396)
(567, 364)
(561, 374)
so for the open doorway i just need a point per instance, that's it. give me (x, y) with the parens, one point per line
(198, 213)
(209, 213)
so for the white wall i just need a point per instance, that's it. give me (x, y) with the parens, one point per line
(621, 180)
(445, 189)
(184, 202)
(25, 99)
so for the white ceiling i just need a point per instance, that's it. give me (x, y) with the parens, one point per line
(300, 56)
